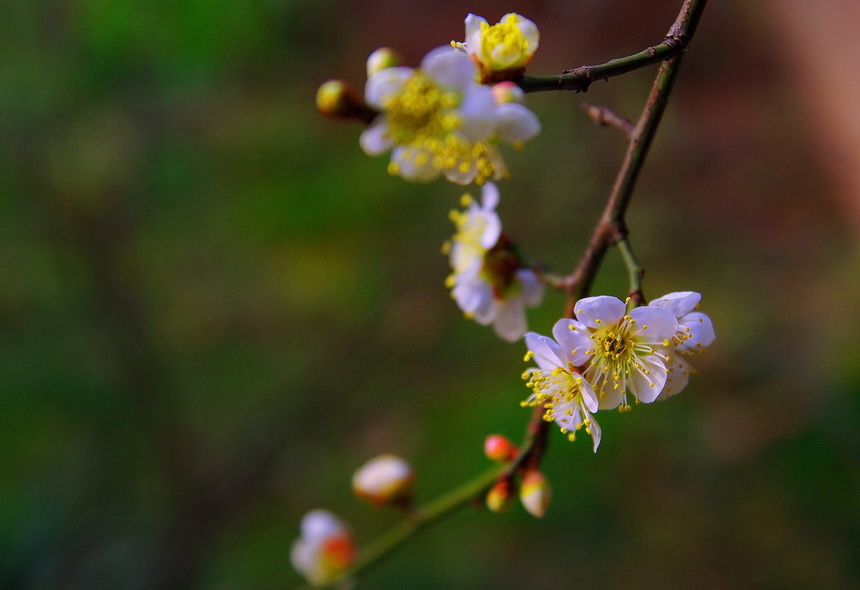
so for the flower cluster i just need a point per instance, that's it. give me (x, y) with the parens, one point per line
(437, 119)
(609, 350)
(488, 281)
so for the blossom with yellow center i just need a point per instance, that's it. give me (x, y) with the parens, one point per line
(558, 384)
(507, 45)
(694, 333)
(626, 350)
(489, 283)
(324, 550)
(438, 120)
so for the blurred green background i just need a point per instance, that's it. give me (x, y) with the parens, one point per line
(215, 307)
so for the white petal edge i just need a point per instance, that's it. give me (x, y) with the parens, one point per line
(600, 311)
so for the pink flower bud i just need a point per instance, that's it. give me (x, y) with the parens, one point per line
(500, 498)
(499, 448)
(325, 548)
(387, 479)
(504, 92)
(535, 493)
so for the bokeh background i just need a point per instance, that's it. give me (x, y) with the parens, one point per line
(214, 307)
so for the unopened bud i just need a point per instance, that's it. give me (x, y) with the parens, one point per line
(535, 493)
(499, 448)
(387, 479)
(382, 58)
(336, 98)
(500, 498)
(325, 548)
(508, 92)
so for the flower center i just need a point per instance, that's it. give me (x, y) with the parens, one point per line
(615, 348)
(504, 42)
(421, 109)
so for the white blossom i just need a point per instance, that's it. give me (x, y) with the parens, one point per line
(437, 119)
(694, 333)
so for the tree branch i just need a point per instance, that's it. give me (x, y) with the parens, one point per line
(579, 79)
(611, 228)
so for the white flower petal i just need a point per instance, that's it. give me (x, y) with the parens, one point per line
(459, 176)
(407, 159)
(599, 311)
(473, 32)
(573, 342)
(385, 83)
(375, 139)
(320, 524)
(489, 196)
(533, 288)
(701, 331)
(547, 354)
(530, 31)
(647, 386)
(596, 433)
(589, 397)
(510, 322)
(654, 324)
(516, 122)
(479, 114)
(474, 296)
(450, 68)
(680, 303)
(567, 415)
(677, 379)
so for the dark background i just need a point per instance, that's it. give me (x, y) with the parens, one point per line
(214, 306)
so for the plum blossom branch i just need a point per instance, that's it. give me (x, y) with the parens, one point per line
(611, 229)
(579, 79)
(532, 448)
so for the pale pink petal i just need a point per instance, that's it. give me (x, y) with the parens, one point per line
(647, 386)
(547, 354)
(701, 331)
(680, 303)
(677, 379)
(654, 324)
(533, 289)
(449, 67)
(376, 139)
(573, 342)
(516, 122)
(510, 322)
(473, 32)
(600, 311)
(385, 83)
(479, 114)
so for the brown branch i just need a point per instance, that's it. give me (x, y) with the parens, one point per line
(611, 228)
(604, 117)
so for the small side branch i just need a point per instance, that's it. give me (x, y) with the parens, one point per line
(604, 117)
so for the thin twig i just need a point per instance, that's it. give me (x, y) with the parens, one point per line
(604, 117)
